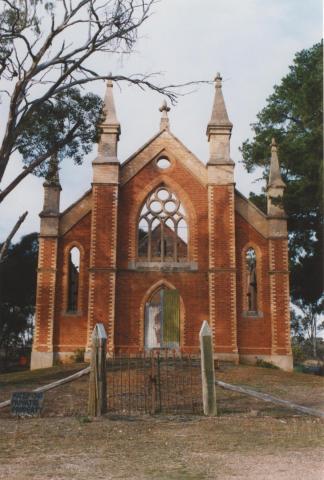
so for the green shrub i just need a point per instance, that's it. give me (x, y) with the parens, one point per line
(298, 353)
(265, 364)
(78, 355)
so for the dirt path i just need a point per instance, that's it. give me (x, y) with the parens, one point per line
(173, 448)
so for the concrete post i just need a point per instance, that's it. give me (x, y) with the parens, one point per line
(98, 383)
(207, 370)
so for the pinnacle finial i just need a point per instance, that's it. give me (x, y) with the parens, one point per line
(219, 116)
(109, 128)
(164, 107)
(218, 80)
(52, 176)
(275, 179)
(109, 111)
(164, 122)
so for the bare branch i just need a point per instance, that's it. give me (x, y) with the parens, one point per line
(57, 67)
(6, 243)
(38, 161)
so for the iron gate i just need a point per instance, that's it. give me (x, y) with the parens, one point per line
(160, 381)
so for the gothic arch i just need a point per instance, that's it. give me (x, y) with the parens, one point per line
(148, 294)
(244, 272)
(67, 249)
(184, 198)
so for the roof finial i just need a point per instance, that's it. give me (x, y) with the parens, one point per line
(218, 80)
(109, 111)
(164, 122)
(275, 179)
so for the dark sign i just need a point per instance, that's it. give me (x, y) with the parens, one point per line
(26, 404)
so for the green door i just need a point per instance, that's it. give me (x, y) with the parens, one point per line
(162, 320)
(171, 318)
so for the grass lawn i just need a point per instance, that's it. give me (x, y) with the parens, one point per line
(248, 440)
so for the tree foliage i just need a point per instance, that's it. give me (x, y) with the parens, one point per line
(18, 291)
(293, 115)
(47, 53)
(50, 124)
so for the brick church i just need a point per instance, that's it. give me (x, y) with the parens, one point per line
(160, 243)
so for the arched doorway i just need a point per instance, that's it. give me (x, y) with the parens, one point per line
(162, 319)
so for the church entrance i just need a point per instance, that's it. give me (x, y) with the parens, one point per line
(162, 319)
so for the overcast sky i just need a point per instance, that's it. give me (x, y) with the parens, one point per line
(251, 42)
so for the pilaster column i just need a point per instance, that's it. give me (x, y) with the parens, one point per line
(278, 260)
(221, 219)
(42, 352)
(103, 254)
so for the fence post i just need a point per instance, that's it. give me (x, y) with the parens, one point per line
(98, 382)
(207, 370)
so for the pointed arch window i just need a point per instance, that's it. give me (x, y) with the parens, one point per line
(251, 281)
(162, 228)
(73, 279)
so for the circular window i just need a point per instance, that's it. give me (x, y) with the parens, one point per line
(163, 163)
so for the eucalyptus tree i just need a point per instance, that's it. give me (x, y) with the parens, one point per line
(49, 51)
(294, 116)
(47, 54)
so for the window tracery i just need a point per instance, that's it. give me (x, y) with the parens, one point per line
(162, 228)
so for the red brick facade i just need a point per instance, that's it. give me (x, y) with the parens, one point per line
(114, 287)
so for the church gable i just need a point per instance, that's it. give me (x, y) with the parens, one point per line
(163, 144)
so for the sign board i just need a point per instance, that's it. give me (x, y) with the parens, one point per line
(27, 404)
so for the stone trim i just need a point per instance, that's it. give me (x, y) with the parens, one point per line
(163, 266)
(257, 219)
(252, 315)
(75, 213)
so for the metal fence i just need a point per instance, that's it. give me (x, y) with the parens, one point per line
(155, 382)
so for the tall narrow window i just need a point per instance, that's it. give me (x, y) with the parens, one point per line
(162, 228)
(74, 274)
(162, 319)
(251, 280)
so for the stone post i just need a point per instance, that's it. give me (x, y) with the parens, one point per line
(98, 382)
(207, 370)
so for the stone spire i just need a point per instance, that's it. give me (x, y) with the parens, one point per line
(276, 185)
(110, 129)
(275, 179)
(219, 129)
(52, 189)
(52, 177)
(164, 122)
(219, 116)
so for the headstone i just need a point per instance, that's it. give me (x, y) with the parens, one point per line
(207, 370)
(27, 404)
